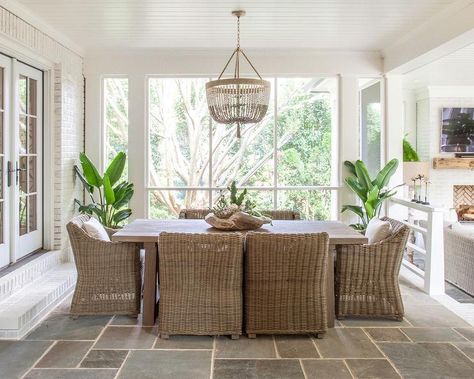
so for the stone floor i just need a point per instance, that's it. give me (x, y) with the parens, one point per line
(431, 342)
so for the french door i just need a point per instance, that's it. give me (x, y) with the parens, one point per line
(21, 131)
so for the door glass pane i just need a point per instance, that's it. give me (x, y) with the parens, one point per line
(22, 215)
(1, 87)
(167, 204)
(1, 177)
(32, 213)
(1, 222)
(22, 92)
(31, 135)
(32, 174)
(32, 97)
(1, 131)
(23, 175)
(23, 121)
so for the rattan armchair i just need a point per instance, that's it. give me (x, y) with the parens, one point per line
(108, 273)
(200, 284)
(285, 283)
(366, 283)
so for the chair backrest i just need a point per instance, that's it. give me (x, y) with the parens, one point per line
(286, 281)
(400, 232)
(194, 213)
(283, 214)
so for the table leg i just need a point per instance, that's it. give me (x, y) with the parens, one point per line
(149, 284)
(330, 287)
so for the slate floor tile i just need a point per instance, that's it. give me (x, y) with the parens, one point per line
(185, 342)
(260, 347)
(347, 343)
(325, 369)
(71, 374)
(466, 347)
(433, 335)
(104, 359)
(466, 332)
(387, 335)
(65, 354)
(63, 327)
(167, 364)
(257, 368)
(295, 346)
(372, 369)
(428, 360)
(17, 357)
(126, 337)
(373, 323)
(127, 320)
(432, 316)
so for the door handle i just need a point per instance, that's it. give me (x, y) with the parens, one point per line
(9, 173)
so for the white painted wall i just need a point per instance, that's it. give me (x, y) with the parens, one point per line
(136, 65)
(64, 106)
(429, 104)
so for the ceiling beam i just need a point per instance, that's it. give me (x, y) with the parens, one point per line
(448, 31)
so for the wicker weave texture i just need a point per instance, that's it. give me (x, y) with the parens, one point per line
(459, 259)
(201, 213)
(366, 282)
(108, 273)
(285, 283)
(200, 283)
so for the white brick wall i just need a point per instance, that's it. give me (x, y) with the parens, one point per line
(68, 114)
(428, 139)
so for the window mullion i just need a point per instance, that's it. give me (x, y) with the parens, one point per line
(275, 142)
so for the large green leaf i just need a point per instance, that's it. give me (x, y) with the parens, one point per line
(108, 191)
(123, 197)
(90, 171)
(363, 175)
(121, 215)
(354, 185)
(383, 178)
(358, 210)
(86, 184)
(115, 169)
(350, 167)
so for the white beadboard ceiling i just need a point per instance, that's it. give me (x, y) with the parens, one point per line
(456, 69)
(363, 25)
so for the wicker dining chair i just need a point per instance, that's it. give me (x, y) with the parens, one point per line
(194, 213)
(201, 213)
(366, 283)
(108, 273)
(200, 284)
(283, 214)
(285, 283)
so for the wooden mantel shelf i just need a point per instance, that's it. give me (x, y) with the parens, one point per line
(460, 163)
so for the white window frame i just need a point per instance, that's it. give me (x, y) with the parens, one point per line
(334, 188)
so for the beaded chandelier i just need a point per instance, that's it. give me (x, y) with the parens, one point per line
(238, 100)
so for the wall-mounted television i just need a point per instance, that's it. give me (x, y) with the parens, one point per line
(457, 131)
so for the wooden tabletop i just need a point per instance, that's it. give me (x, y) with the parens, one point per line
(144, 230)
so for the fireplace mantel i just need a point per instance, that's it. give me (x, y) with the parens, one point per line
(453, 163)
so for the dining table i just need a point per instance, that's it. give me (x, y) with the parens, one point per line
(147, 233)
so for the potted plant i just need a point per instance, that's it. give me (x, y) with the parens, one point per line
(236, 212)
(108, 196)
(371, 192)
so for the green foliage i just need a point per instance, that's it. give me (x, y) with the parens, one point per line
(371, 192)
(409, 153)
(461, 125)
(111, 207)
(236, 201)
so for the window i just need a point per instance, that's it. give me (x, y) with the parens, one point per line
(370, 124)
(284, 161)
(116, 118)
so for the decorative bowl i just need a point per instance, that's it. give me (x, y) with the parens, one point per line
(238, 221)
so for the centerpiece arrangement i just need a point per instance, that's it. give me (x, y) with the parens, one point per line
(236, 212)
